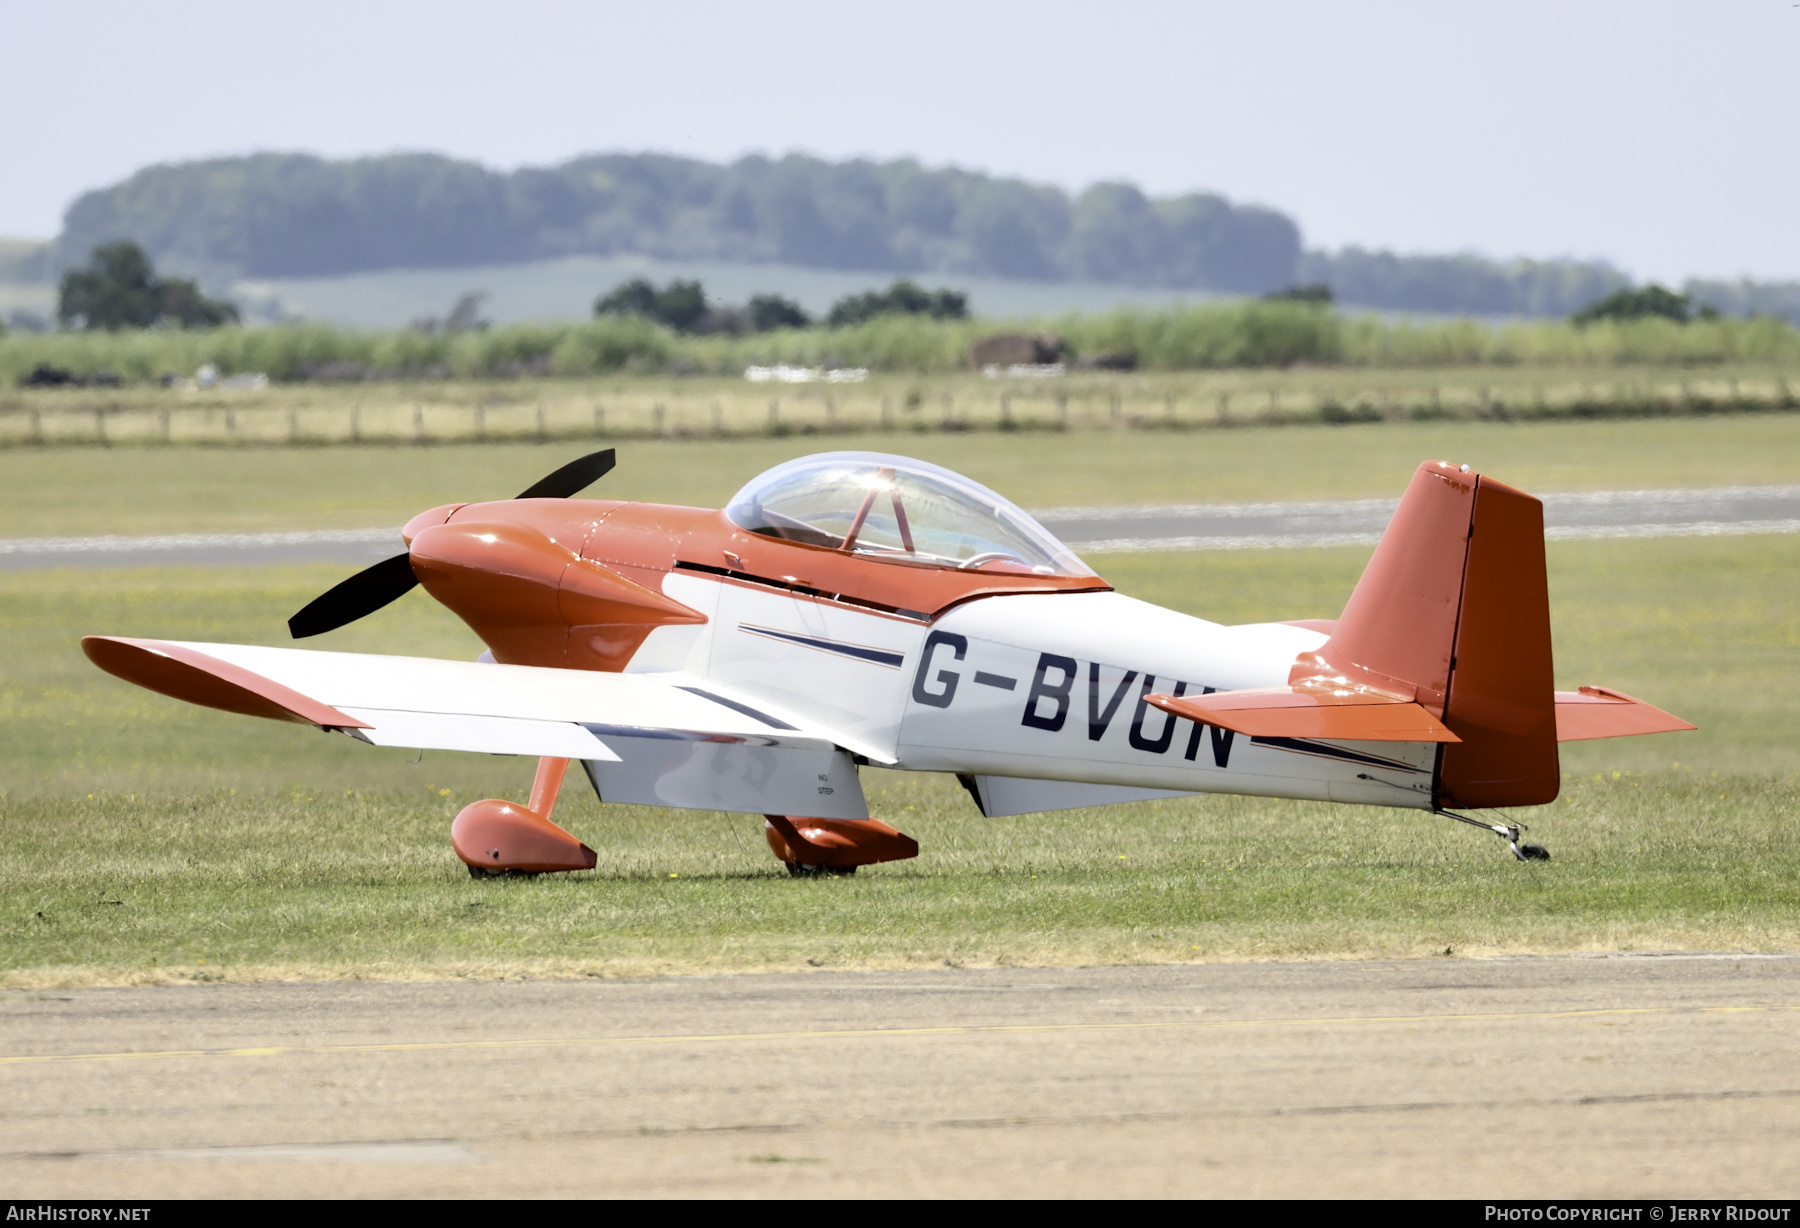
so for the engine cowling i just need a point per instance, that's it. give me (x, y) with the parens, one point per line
(534, 600)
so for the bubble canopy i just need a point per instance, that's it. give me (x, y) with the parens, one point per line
(896, 510)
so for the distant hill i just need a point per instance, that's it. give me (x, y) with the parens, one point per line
(276, 216)
(292, 215)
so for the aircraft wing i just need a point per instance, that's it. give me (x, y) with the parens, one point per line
(657, 739)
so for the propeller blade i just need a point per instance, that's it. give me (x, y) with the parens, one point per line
(370, 589)
(363, 593)
(572, 478)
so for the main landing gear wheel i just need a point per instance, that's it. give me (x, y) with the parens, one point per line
(1508, 832)
(800, 871)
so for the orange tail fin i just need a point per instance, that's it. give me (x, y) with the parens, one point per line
(1454, 608)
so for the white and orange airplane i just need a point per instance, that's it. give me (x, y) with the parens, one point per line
(854, 608)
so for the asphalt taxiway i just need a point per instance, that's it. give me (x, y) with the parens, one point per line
(1716, 511)
(1669, 1076)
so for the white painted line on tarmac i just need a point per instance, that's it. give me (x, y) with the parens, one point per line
(195, 541)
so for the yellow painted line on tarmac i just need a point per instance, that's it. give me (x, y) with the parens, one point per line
(430, 1046)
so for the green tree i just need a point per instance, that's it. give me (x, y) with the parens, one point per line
(1628, 304)
(771, 311)
(120, 289)
(901, 298)
(681, 305)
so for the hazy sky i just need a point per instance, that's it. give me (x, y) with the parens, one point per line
(1656, 134)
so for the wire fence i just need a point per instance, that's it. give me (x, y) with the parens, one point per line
(376, 415)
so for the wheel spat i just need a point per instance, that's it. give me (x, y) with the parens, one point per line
(373, 587)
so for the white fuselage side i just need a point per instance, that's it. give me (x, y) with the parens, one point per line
(1037, 686)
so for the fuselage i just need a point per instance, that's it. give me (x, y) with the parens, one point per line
(987, 671)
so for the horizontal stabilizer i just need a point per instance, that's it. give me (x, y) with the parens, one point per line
(1596, 712)
(1291, 712)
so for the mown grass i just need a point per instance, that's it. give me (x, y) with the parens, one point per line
(63, 491)
(145, 840)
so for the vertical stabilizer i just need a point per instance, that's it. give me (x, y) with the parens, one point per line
(1502, 685)
(1453, 611)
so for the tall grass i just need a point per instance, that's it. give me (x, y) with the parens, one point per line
(1224, 335)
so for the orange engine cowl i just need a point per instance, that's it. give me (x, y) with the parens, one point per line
(534, 600)
(495, 836)
(836, 843)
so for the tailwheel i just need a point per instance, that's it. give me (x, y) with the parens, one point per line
(1509, 832)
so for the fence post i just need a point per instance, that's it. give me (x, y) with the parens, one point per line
(37, 425)
(162, 421)
(293, 426)
(1062, 410)
(659, 416)
(1006, 411)
(100, 428)
(418, 423)
(540, 424)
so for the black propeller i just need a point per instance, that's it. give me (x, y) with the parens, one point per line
(572, 478)
(373, 587)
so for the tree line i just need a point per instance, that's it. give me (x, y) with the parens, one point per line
(293, 215)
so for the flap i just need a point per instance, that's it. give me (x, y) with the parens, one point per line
(1597, 712)
(1285, 712)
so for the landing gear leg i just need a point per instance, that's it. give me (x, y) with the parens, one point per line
(1509, 832)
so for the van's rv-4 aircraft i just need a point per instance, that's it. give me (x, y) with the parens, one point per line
(854, 608)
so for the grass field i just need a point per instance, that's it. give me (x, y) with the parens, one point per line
(77, 491)
(146, 840)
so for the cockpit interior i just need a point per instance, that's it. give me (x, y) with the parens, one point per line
(896, 510)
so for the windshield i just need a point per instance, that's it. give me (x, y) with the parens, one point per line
(898, 510)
